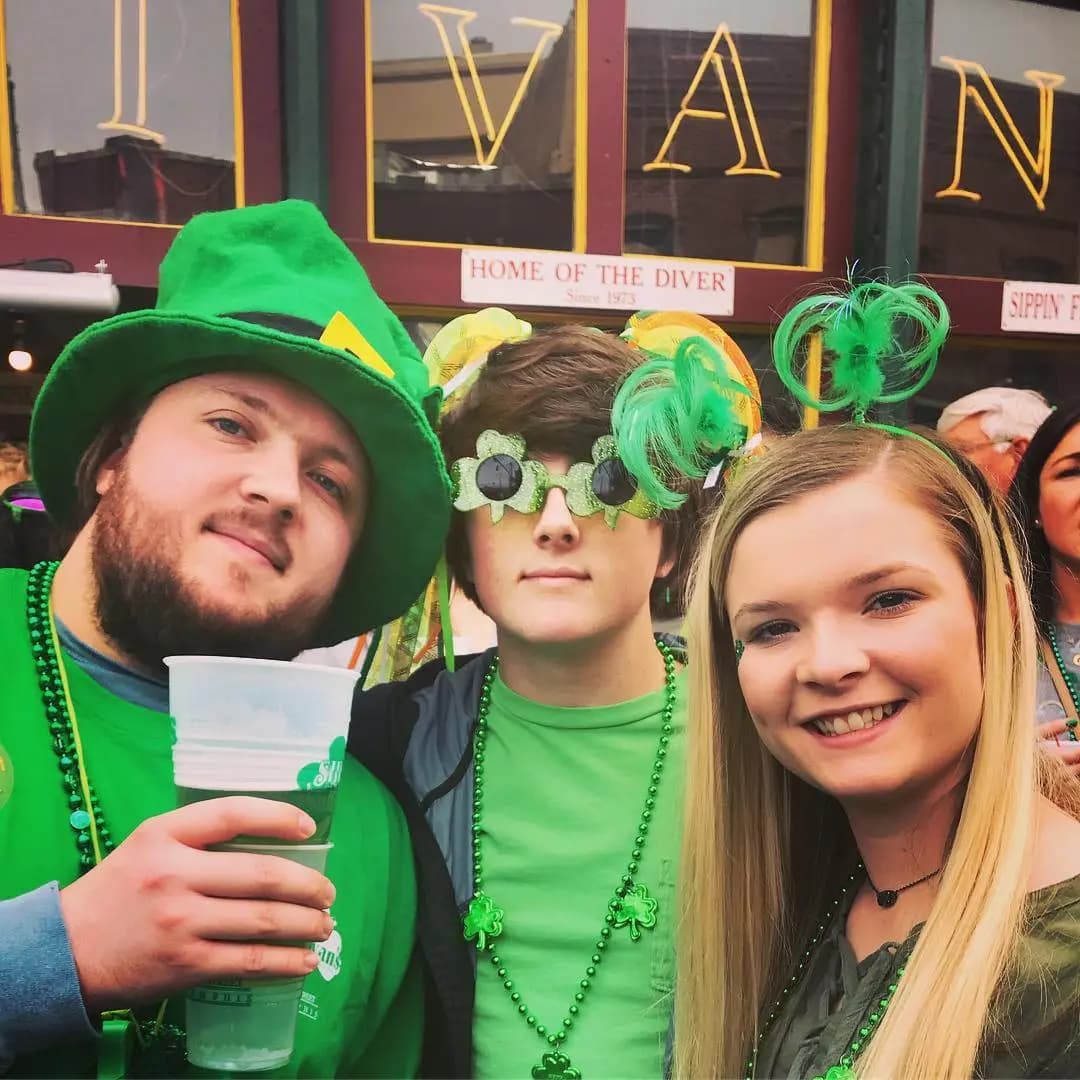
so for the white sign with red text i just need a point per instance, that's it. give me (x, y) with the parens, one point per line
(508, 277)
(1042, 307)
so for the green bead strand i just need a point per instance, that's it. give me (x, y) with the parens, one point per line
(50, 682)
(857, 1046)
(1070, 684)
(160, 1046)
(615, 917)
(800, 967)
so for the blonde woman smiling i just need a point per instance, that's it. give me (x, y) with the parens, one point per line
(880, 714)
(882, 876)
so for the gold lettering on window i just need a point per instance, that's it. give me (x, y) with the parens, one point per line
(117, 122)
(1032, 168)
(721, 60)
(486, 152)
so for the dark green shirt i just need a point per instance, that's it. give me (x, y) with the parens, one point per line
(837, 992)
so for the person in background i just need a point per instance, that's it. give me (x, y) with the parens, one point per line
(1046, 500)
(13, 465)
(992, 428)
(27, 535)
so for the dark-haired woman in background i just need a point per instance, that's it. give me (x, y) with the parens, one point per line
(1046, 497)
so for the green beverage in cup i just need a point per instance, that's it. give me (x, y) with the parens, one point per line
(318, 804)
(303, 775)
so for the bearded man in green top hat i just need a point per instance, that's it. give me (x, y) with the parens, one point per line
(249, 469)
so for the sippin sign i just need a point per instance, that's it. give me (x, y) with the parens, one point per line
(1042, 307)
(508, 277)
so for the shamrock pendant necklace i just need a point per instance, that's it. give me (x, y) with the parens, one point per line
(630, 906)
(159, 1047)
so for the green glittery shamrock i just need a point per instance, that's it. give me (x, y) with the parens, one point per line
(483, 920)
(637, 909)
(499, 476)
(837, 1072)
(584, 479)
(555, 1066)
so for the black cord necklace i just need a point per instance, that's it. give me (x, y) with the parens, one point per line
(887, 897)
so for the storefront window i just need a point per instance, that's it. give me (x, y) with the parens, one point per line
(118, 109)
(1001, 188)
(722, 157)
(473, 122)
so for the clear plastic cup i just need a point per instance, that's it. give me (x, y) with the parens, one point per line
(261, 702)
(266, 728)
(249, 1025)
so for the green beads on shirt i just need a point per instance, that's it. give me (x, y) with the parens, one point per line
(843, 1071)
(800, 967)
(54, 699)
(631, 905)
(1070, 684)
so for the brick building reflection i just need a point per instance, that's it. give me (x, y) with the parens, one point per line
(134, 179)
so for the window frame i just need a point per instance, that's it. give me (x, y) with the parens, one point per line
(133, 250)
(974, 302)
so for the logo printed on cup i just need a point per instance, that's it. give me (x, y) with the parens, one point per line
(309, 1007)
(317, 775)
(329, 954)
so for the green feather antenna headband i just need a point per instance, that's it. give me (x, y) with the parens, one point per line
(679, 415)
(881, 343)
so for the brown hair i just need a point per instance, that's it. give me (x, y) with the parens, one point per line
(555, 390)
(115, 435)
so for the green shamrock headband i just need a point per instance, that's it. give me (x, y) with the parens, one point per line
(881, 343)
(501, 477)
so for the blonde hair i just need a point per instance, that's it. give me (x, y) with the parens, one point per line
(763, 852)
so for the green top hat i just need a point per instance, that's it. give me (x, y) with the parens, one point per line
(272, 289)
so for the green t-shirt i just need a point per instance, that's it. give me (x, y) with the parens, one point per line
(563, 793)
(361, 1013)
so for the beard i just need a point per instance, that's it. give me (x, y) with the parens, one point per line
(148, 610)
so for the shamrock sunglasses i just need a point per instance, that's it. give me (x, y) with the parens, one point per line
(501, 477)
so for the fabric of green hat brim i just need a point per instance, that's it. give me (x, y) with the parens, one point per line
(115, 366)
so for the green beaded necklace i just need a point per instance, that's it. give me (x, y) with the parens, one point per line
(844, 1069)
(160, 1045)
(92, 837)
(1070, 683)
(630, 906)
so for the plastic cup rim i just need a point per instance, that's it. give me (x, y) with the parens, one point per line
(337, 674)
